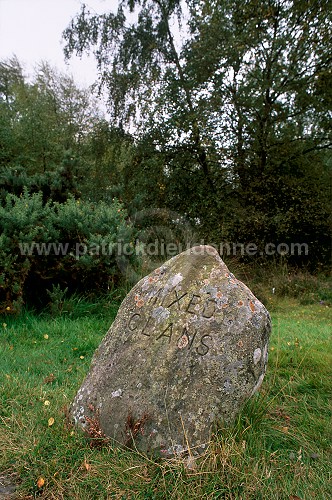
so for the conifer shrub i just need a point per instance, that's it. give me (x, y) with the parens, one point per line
(56, 184)
(75, 245)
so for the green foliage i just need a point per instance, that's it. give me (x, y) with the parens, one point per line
(44, 125)
(275, 281)
(56, 152)
(124, 53)
(72, 244)
(55, 185)
(78, 305)
(42, 120)
(234, 121)
(57, 297)
(108, 154)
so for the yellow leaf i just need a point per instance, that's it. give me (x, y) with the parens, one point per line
(45, 336)
(46, 403)
(50, 421)
(86, 465)
(285, 430)
(81, 357)
(40, 482)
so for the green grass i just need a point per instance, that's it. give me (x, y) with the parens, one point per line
(279, 448)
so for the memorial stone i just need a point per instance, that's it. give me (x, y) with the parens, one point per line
(188, 348)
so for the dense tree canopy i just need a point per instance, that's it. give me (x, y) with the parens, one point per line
(41, 119)
(233, 119)
(244, 65)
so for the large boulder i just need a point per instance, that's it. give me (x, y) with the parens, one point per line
(188, 348)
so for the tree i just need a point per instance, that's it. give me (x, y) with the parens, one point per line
(142, 69)
(11, 76)
(265, 104)
(44, 126)
(239, 112)
(262, 75)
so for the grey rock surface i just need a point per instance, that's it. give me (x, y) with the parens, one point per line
(7, 487)
(188, 348)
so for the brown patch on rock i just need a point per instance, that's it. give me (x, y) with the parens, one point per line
(252, 306)
(183, 342)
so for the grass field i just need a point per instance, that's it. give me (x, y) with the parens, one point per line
(280, 447)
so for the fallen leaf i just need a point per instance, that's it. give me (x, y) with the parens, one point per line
(81, 357)
(46, 403)
(86, 465)
(50, 421)
(40, 482)
(49, 379)
(45, 336)
(284, 429)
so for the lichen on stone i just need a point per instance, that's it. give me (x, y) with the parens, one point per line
(187, 349)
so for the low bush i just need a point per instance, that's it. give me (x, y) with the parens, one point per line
(271, 281)
(71, 245)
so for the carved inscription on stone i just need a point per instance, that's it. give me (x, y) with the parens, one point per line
(161, 322)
